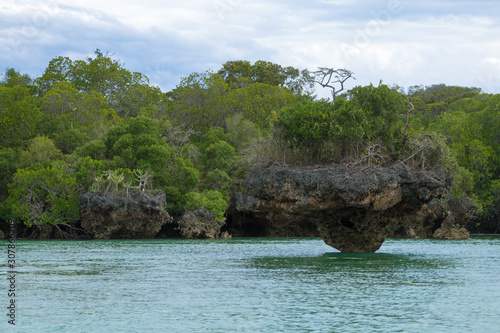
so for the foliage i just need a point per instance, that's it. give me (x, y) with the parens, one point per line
(205, 100)
(241, 73)
(382, 108)
(218, 155)
(142, 100)
(257, 102)
(95, 149)
(115, 181)
(209, 199)
(199, 100)
(41, 150)
(218, 180)
(265, 151)
(71, 139)
(307, 125)
(86, 171)
(430, 149)
(8, 161)
(137, 145)
(185, 177)
(241, 133)
(67, 111)
(434, 100)
(100, 75)
(106, 127)
(13, 78)
(19, 116)
(472, 126)
(370, 115)
(440, 93)
(42, 195)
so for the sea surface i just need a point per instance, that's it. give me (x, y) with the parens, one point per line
(253, 285)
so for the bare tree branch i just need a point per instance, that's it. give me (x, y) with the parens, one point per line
(328, 77)
(178, 137)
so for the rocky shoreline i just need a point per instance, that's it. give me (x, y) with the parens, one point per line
(351, 209)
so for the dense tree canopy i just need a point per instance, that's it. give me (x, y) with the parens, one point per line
(19, 116)
(370, 115)
(101, 74)
(241, 73)
(92, 124)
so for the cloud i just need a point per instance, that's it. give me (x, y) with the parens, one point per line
(397, 41)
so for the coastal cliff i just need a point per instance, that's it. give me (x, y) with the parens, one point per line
(352, 209)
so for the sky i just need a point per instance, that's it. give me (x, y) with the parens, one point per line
(398, 42)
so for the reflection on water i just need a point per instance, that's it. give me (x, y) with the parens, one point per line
(256, 285)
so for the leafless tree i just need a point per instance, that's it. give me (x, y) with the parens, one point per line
(374, 153)
(178, 137)
(144, 178)
(329, 77)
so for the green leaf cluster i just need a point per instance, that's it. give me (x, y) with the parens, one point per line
(42, 195)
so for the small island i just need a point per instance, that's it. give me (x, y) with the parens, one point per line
(91, 150)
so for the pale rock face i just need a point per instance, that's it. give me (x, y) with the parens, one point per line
(200, 224)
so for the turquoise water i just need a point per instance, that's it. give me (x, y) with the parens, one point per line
(254, 285)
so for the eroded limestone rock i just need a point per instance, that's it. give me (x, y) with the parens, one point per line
(138, 215)
(353, 210)
(450, 230)
(200, 223)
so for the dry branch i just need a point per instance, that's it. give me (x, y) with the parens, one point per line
(328, 77)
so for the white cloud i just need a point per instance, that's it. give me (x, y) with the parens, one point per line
(398, 41)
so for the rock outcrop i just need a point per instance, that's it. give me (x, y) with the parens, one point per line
(353, 210)
(136, 215)
(449, 230)
(200, 223)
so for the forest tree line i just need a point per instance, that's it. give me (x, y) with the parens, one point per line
(92, 124)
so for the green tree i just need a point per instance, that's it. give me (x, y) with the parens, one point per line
(258, 102)
(219, 155)
(440, 93)
(211, 200)
(137, 144)
(383, 108)
(96, 149)
(371, 117)
(472, 126)
(19, 116)
(218, 180)
(88, 171)
(42, 195)
(8, 160)
(101, 74)
(13, 78)
(307, 125)
(68, 112)
(41, 150)
(199, 101)
(241, 73)
(143, 100)
(205, 100)
(241, 132)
